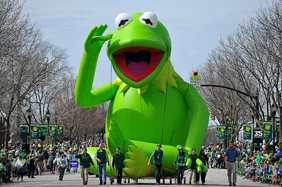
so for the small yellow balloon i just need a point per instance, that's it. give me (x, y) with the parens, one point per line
(266, 155)
(39, 145)
(50, 145)
(217, 146)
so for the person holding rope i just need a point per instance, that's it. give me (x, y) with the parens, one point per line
(118, 159)
(158, 157)
(204, 158)
(85, 161)
(181, 162)
(193, 170)
(102, 159)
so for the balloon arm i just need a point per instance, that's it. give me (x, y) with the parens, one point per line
(199, 118)
(83, 95)
(92, 46)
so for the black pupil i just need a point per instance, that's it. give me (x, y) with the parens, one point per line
(122, 22)
(147, 21)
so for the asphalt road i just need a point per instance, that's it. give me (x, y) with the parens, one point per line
(215, 177)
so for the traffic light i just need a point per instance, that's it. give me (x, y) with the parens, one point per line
(213, 117)
(195, 74)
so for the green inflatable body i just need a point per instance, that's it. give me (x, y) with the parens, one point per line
(150, 102)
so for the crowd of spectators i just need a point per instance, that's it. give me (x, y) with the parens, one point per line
(255, 160)
(15, 163)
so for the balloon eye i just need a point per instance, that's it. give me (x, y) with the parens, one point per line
(149, 19)
(122, 20)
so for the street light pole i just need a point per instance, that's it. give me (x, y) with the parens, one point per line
(29, 115)
(56, 121)
(273, 126)
(226, 130)
(48, 124)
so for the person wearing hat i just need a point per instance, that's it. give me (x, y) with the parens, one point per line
(62, 163)
(158, 156)
(181, 162)
(118, 159)
(23, 154)
(45, 158)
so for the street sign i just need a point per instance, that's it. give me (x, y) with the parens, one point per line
(73, 164)
(196, 81)
(257, 133)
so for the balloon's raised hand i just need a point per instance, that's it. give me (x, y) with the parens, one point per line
(95, 40)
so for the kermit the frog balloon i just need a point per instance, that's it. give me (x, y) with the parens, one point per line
(150, 102)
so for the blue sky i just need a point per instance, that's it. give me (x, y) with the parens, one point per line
(195, 26)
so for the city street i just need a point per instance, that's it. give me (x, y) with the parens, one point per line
(215, 177)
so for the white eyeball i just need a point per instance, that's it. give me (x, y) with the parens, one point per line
(150, 19)
(122, 20)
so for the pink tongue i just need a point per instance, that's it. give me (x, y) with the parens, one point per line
(137, 68)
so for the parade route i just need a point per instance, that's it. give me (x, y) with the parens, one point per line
(215, 177)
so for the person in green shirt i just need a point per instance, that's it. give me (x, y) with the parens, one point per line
(40, 159)
(23, 154)
(62, 161)
(158, 157)
(5, 154)
(85, 161)
(102, 159)
(193, 170)
(258, 158)
(212, 157)
(181, 162)
(118, 159)
(204, 158)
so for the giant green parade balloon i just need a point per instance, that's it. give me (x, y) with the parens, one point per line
(149, 102)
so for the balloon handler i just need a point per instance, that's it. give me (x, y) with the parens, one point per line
(149, 102)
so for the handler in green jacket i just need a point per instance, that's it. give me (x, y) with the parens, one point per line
(85, 161)
(181, 162)
(102, 158)
(118, 159)
(193, 170)
(158, 160)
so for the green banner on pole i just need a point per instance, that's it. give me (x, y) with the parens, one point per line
(34, 131)
(43, 130)
(267, 130)
(220, 132)
(23, 129)
(247, 132)
(52, 130)
(60, 130)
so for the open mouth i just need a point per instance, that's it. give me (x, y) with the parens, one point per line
(137, 63)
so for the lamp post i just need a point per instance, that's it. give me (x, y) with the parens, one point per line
(48, 123)
(27, 140)
(56, 121)
(273, 126)
(226, 130)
